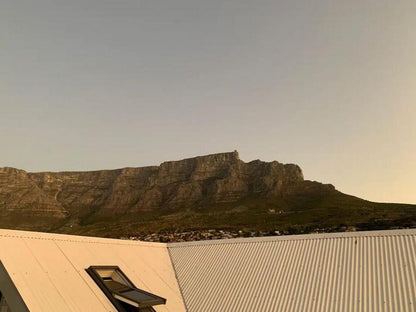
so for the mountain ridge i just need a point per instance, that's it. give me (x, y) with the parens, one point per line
(210, 190)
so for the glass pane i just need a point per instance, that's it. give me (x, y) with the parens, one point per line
(137, 296)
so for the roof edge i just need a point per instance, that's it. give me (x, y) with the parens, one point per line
(246, 240)
(75, 238)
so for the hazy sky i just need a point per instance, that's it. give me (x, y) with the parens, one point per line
(329, 85)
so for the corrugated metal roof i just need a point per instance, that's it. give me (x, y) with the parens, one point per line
(361, 271)
(48, 270)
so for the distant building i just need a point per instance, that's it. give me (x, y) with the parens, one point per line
(358, 271)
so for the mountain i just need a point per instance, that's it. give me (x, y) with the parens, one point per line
(212, 191)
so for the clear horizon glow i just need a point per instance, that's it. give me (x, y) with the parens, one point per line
(330, 86)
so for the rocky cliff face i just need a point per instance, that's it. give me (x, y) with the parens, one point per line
(217, 178)
(19, 193)
(209, 192)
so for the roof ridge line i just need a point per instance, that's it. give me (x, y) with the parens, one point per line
(265, 239)
(84, 239)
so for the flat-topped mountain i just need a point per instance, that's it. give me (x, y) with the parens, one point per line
(216, 190)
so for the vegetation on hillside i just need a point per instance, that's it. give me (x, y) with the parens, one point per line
(300, 212)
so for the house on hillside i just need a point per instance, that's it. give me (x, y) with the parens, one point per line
(360, 271)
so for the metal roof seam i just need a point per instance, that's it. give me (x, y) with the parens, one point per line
(39, 263)
(76, 270)
(177, 280)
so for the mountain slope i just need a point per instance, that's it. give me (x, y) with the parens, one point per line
(213, 191)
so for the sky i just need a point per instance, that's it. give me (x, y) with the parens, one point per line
(99, 84)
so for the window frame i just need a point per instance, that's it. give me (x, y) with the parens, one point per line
(118, 304)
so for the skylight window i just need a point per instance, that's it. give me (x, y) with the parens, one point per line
(121, 291)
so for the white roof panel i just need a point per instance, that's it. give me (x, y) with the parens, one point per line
(48, 270)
